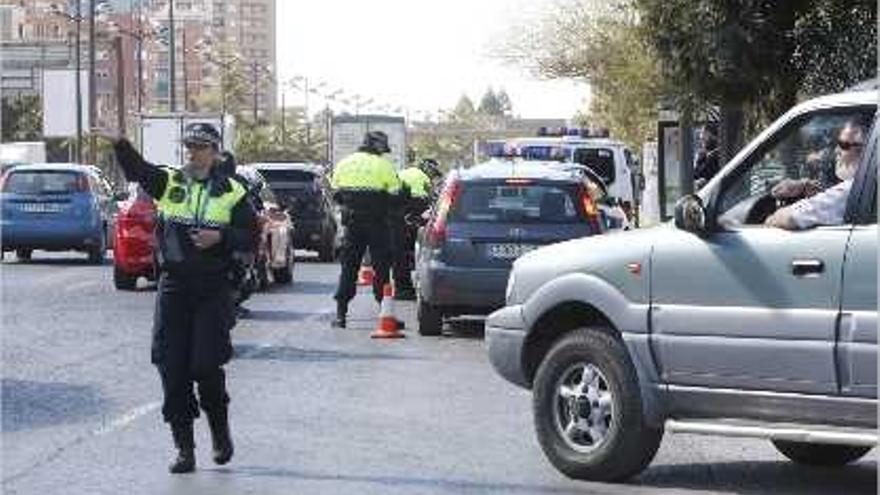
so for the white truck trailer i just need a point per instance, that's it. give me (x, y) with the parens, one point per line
(347, 134)
(161, 135)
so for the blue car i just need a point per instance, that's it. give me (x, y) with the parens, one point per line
(56, 207)
(486, 217)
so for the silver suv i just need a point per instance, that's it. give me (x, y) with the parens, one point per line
(715, 324)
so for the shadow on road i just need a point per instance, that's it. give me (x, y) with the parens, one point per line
(28, 405)
(465, 329)
(51, 261)
(415, 483)
(260, 352)
(777, 477)
(304, 287)
(276, 315)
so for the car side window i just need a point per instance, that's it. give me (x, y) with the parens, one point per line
(804, 150)
(862, 205)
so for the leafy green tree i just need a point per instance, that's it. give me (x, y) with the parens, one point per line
(22, 118)
(504, 102)
(490, 105)
(464, 111)
(601, 43)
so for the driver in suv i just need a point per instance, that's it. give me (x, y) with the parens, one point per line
(826, 207)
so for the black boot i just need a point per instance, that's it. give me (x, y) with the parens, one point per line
(183, 440)
(341, 311)
(219, 423)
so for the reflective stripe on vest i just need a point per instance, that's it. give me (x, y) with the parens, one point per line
(190, 203)
(419, 183)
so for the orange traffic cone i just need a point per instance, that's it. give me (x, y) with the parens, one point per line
(366, 275)
(387, 327)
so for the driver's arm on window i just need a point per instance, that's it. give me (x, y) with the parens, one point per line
(795, 188)
(824, 208)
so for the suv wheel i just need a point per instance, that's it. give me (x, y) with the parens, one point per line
(588, 409)
(284, 275)
(24, 254)
(97, 253)
(430, 319)
(815, 454)
(122, 280)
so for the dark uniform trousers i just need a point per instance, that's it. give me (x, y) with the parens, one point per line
(401, 253)
(191, 343)
(361, 234)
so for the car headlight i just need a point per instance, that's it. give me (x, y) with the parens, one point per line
(511, 281)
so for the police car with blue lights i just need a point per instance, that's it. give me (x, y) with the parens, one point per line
(608, 158)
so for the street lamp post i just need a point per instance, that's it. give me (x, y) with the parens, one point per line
(76, 18)
(256, 90)
(93, 104)
(172, 93)
(185, 75)
(78, 78)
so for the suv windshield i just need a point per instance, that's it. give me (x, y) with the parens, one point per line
(288, 175)
(44, 182)
(505, 202)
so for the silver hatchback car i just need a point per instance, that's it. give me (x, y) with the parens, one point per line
(715, 324)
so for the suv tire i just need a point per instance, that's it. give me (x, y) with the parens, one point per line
(122, 280)
(284, 275)
(430, 319)
(815, 454)
(609, 402)
(99, 252)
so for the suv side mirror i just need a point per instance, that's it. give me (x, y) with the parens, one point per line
(690, 215)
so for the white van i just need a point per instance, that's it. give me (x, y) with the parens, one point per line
(608, 158)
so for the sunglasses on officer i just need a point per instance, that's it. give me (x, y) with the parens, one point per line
(848, 145)
(196, 146)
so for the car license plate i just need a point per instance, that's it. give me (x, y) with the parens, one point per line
(41, 208)
(509, 251)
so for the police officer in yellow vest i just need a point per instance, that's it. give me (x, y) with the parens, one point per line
(364, 184)
(414, 200)
(202, 218)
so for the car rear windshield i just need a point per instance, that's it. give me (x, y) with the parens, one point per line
(506, 202)
(44, 182)
(288, 175)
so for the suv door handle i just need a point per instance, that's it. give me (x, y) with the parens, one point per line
(807, 267)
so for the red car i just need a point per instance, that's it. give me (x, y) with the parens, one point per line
(133, 249)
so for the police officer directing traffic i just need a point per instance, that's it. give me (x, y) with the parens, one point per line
(405, 220)
(203, 218)
(365, 184)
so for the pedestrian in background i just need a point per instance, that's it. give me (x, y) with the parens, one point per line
(706, 163)
(202, 218)
(364, 185)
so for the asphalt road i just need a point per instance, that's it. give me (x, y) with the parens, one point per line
(314, 410)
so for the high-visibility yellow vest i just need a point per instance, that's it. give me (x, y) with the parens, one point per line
(418, 182)
(189, 202)
(365, 172)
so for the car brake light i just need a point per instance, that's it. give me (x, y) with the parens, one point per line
(437, 231)
(590, 210)
(518, 182)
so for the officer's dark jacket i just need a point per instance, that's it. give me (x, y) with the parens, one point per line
(178, 255)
